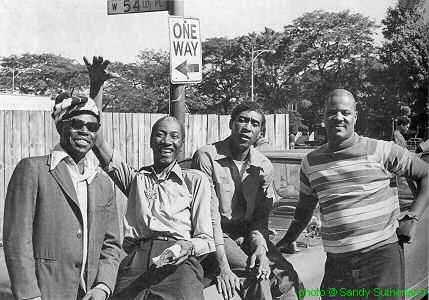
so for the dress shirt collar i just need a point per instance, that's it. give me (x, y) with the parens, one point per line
(58, 154)
(176, 170)
(224, 150)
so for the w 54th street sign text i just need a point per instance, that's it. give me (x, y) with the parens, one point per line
(185, 50)
(118, 7)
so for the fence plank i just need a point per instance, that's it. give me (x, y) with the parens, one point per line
(141, 140)
(54, 135)
(147, 129)
(3, 183)
(270, 134)
(135, 138)
(25, 134)
(129, 143)
(280, 132)
(203, 132)
(48, 122)
(37, 146)
(107, 127)
(287, 133)
(15, 151)
(8, 140)
(115, 126)
(190, 131)
(123, 136)
(224, 130)
(212, 129)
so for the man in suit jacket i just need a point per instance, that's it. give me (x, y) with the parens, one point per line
(61, 229)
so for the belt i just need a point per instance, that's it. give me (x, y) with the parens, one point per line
(158, 238)
(132, 245)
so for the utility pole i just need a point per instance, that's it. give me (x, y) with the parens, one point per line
(177, 91)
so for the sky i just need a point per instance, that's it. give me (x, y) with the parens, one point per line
(74, 28)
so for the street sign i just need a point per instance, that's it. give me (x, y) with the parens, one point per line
(118, 7)
(185, 50)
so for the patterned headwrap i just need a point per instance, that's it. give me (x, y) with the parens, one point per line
(66, 107)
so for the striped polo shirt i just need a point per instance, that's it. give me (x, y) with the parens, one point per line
(359, 207)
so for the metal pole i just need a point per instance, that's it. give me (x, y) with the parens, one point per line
(251, 95)
(177, 91)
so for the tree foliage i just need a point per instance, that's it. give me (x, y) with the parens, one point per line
(42, 74)
(405, 53)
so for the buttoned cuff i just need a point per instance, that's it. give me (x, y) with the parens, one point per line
(105, 288)
(202, 245)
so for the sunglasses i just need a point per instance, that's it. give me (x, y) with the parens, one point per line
(78, 124)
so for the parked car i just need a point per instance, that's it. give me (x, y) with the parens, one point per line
(412, 143)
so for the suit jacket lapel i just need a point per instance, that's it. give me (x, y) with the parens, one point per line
(94, 193)
(62, 176)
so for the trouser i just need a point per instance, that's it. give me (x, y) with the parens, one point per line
(138, 278)
(370, 275)
(283, 276)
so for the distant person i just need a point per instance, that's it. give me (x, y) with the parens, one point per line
(350, 178)
(403, 125)
(167, 206)
(291, 141)
(61, 229)
(242, 197)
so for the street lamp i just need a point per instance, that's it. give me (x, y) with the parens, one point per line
(19, 72)
(255, 54)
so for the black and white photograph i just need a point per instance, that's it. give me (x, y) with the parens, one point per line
(218, 150)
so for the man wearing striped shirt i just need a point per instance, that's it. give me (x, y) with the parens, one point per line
(350, 178)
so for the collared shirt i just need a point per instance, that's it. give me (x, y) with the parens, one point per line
(80, 183)
(238, 198)
(359, 208)
(176, 206)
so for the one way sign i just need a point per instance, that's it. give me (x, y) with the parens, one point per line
(185, 50)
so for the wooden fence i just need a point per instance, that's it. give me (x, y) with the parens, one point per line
(32, 133)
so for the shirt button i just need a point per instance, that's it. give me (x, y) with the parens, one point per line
(79, 234)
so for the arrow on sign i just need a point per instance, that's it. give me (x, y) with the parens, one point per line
(184, 68)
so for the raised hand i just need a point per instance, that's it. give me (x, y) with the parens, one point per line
(97, 71)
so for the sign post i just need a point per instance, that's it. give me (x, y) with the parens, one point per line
(177, 91)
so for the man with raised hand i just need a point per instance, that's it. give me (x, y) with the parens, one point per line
(242, 198)
(350, 178)
(167, 208)
(61, 229)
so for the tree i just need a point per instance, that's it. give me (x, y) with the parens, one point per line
(221, 85)
(405, 52)
(42, 74)
(329, 50)
(142, 86)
